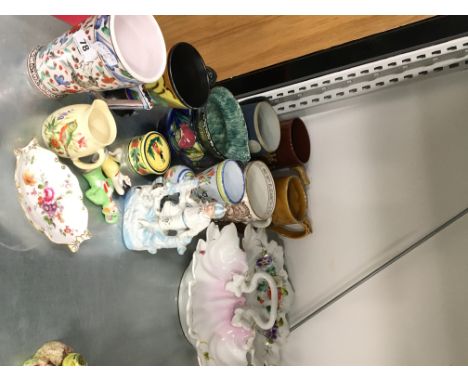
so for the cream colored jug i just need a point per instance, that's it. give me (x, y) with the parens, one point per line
(77, 131)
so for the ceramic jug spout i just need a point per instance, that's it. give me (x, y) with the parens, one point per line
(101, 123)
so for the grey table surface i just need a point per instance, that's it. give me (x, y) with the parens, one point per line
(115, 306)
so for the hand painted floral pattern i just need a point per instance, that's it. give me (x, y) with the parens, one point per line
(61, 135)
(62, 68)
(50, 196)
(149, 154)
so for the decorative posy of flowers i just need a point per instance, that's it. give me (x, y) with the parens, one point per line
(266, 264)
(268, 256)
(50, 196)
(48, 203)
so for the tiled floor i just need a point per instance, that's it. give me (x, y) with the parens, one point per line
(386, 168)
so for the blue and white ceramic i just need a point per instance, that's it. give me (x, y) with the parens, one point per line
(263, 128)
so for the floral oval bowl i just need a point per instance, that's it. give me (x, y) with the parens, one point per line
(50, 196)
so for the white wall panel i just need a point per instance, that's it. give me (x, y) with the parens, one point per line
(386, 168)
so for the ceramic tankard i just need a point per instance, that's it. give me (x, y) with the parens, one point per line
(291, 207)
(259, 200)
(102, 53)
(294, 147)
(223, 182)
(81, 130)
(263, 127)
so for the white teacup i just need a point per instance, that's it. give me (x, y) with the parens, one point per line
(259, 199)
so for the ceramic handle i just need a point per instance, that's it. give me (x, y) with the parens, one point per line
(91, 166)
(242, 316)
(302, 174)
(261, 223)
(306, 229)
(212, 76)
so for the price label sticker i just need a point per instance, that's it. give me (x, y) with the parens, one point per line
(84, 47)
(106, 54)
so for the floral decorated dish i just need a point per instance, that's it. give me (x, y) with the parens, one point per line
(50, 196)
(268, 256)
(217, 302)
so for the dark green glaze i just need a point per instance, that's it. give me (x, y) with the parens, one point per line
(226, 125)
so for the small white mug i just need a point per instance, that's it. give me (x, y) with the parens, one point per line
(259, 200)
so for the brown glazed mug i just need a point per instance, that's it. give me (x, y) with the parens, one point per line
(294, 147)
(291, 207)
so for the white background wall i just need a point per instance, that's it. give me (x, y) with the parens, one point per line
(386, 168)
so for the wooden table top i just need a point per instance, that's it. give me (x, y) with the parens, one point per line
(234, 45)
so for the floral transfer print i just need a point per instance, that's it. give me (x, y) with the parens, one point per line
(50, 196)
(47, 201)
(80, 60)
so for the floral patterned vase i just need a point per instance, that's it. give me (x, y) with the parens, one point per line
(98, 55)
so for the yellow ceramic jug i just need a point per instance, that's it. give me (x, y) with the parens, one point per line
(78, 131)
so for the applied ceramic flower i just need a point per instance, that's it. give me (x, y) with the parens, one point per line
(268, 256)
(213, 300)
(50, 196)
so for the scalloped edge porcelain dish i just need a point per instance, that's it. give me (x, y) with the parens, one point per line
(217, 342)
(50, 196)
(228, 345)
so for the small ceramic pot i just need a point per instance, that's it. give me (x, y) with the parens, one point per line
(291, 207)
(263, 128)
(259, 199)
(184, 139)
(186, 81)
(149, 154)
(78, 131)
(222, 128)
(102, 53)
(50, 196)
(179, 173)
(294, 148)
(223, 182)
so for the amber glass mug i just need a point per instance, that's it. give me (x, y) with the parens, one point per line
(291, 207)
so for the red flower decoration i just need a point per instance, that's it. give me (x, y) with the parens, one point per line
(108, 80)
